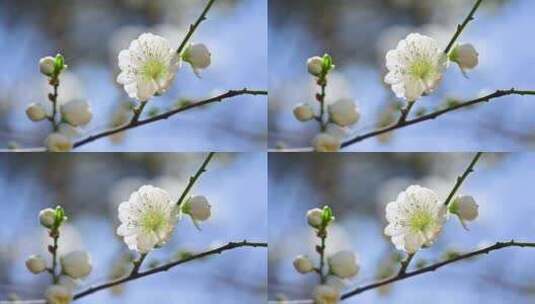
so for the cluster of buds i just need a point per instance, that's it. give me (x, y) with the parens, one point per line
(342, 265)
(334, 118)
(72, 114)
(74, 265)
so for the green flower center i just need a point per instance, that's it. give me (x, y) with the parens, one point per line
(154, 69)
(421, 68)
(421, 221)
(153, 221)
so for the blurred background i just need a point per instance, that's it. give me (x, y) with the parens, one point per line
(91, 186)
(358, 35)
(358, 187)
(90, 34)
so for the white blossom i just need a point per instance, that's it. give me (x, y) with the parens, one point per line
(303, 112)
(36, 264)
(344, 112)
(325, 142)
(76, 112)
(344, 264)
(46, 65)
(303, 264)
(76, 264)
(415, 67)
(466, 56)
(415, 219)
(57, 142)
(315, 66)
(148, 67)
(465, 207)
(36, 112)
(314, 217)
(148, 219)
(325, 294)
(58, 294)
(198, 56)
(198, 208)
(47, 217)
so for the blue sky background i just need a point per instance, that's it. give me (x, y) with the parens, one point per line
(358, 186)
(91, 33)
(90, 187)
(359, 33)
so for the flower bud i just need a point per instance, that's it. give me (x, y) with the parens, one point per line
(303, 264)
(325, 294)
(198, 208)
(314, 217)
(303, 112)
(36, 264)
(57, 294)
(344, 112)
(36, 112)
(198, 55)
(57, 142)
(465, 207)
(47, 217)
(76, 264)
(46, 65)
(315, 66)
(324, 142)
(76, 112)
(466, 56)
(343, 264)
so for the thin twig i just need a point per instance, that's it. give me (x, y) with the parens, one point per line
(137, 263)
(433, 267)
(166, 115)
(405, 263)
(461, 26)
(430, 116)
(405, 111)
(194, 178)
(433, 115)
(461, 178)
(194, 26)
(166, 267)
(321, 272)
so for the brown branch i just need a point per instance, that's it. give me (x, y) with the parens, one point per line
(433, 267)
(433, 115)
(166, 115)
(166, 267)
